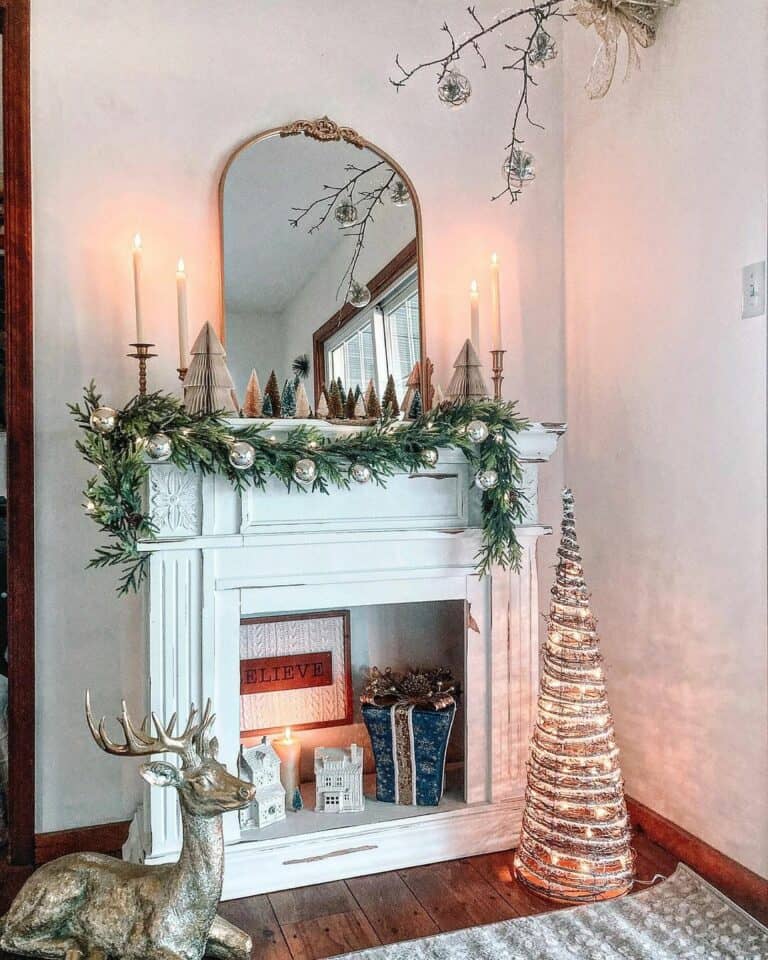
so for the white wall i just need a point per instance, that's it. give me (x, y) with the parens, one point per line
(665, 190)
(135, 108)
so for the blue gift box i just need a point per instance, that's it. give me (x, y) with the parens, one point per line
(409, 747)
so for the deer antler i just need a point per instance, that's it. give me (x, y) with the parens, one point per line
(190, 745)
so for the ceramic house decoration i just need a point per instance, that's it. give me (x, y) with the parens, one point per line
(339, 779)
(260, 765)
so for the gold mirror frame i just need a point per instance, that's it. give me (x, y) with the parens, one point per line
(327, 131)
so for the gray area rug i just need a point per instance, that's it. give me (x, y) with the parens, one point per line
(682, 918)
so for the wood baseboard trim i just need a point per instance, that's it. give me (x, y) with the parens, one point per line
(101, 838)
(737, 882)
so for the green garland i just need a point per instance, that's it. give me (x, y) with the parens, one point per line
(202, 442)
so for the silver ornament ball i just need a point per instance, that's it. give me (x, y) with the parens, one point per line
(242, 456)
(454, 89)
(90, 508)
(399, 194)
(477, 431)
(431, 456)
(520, 167)
(486, 479)
(346, 214)
(305, 470)
(359, 295)
(103, 420)
(360, 472)
(160, 447)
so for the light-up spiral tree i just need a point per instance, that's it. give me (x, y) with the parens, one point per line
(575, 839)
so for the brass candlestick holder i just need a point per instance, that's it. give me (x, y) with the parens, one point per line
(497, 366)
(142, 354)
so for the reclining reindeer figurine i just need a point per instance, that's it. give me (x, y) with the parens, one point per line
(92, 905)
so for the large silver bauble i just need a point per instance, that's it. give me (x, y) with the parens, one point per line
(360, 472)
(399, 194)
(430, 456)
(160, 447)
(242, 456)
(520, 167)
(477, 431)
(454, 89)
(346, 214)
(305, 470)
(486, 479)
(358, 295)
(103, 419)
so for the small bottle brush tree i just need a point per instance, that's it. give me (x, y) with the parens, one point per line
(359, 408)
(412, 384)
(335, 407)
(266, 407)
(416, 408)
(389, 400)
(349, 406)
(342, 391)
(575, 839)
(208, 385)
(273, 392)
(253, 398)
(288, 400)
(372, 404)
(302, 402)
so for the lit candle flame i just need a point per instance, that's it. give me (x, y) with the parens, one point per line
(287, 734)
(494, 259)
(180, 266)
(137, 242)
(473, 287)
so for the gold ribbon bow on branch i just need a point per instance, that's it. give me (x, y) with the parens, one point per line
(636, 19)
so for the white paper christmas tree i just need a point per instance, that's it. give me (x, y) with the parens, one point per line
(254, 399)
(360, 409)
(467, 382)
(208, 385)
(322, 408)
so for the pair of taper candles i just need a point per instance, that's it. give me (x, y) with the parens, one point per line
(474, 309)
(181, 301)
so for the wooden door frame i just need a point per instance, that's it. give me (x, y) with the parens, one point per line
(17, 168)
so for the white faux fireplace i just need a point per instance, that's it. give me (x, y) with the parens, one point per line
(221, 557)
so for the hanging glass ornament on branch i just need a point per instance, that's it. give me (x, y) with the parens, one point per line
(346, 214)
(454, 89)
(519, 167)
(544, 49)
(575, 840)
(358, 295)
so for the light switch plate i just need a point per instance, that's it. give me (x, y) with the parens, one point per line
(753, 290)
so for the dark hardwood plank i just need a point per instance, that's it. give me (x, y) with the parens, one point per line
(329, 935)
(100, 838)
(456, 896)
(497, 870)
(256, 916)
(392, 909)
(311, 903)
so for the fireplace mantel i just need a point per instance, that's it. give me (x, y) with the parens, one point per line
(221, 555)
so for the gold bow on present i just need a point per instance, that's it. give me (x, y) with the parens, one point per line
(636, 19)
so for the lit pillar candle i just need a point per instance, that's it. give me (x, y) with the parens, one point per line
(137, 288)
(289, 751)
(474, 314)
(181, 302)
(495, 305)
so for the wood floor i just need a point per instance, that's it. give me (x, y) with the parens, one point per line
(332, 918)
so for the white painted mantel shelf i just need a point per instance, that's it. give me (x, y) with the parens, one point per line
(221, 556)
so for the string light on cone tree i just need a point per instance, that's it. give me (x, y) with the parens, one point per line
(575, 839)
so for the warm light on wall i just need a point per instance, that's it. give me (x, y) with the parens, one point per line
(574, 844)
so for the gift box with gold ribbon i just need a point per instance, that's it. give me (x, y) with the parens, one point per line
(409, 717)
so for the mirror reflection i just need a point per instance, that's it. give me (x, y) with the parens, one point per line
(321, 266)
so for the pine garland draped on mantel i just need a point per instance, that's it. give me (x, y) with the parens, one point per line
(204, 442)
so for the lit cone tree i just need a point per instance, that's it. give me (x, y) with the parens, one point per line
(575, 839)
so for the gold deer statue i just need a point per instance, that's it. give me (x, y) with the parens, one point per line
(89, 905)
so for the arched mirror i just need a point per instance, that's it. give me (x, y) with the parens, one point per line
(321, 261)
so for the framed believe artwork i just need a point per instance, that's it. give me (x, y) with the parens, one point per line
(295, 671)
